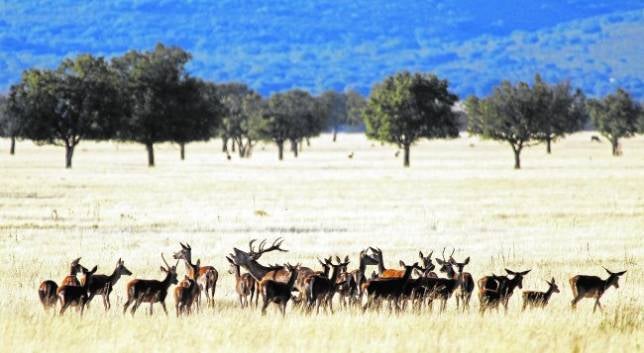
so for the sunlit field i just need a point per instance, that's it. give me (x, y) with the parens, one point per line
(563, 214)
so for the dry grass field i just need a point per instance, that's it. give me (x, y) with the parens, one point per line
(563, 214)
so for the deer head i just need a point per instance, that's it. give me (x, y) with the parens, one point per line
(185, 253)
(553, 287)
(243, 257)
(518, 276)
(171, 271)
(121, 269)
(427, 261)
(613, 278)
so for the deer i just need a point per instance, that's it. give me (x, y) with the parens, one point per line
(47, 294)
(244, 283)
(428, 265)
(465, 285)
(359, 277)
(502, 286)
(593, 287)
(151, 291)
(103, 284)
(185, 294)
(71, 295)
(388, 288)
(322, 288)
(205, 276)
(539, 299)
(74, 268)
(277, 292)
(384, 272)
(248, 260)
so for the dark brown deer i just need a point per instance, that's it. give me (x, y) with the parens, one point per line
(354, 285)
(74, 268)
(205, 276)
(248, 260)
(75, 295)
(151, 291)
(47, 294)
(491, 287)
(185, 294)
(322, 288)
(428, 265)
(244, 284)
(593, 287)
(104, 284)
(278, 292)
(388, 288)
(465, 286)
(539, 299)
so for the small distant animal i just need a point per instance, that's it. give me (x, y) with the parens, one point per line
(539, 299)
(595, 138)
(397, 154)
(228, 156)
(350, 156)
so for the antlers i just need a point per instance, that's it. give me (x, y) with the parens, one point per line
(166, 262)
(261, 249)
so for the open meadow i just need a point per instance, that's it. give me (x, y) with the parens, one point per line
(562, 214)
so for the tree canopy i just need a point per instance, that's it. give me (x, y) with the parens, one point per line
(409, 106)
(616, 116)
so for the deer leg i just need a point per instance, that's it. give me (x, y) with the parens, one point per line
(574, 302)
(597, 305)
(127, 303)
(62, 309)
(163, 306)
(135, 306)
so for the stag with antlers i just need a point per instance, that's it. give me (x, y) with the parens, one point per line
(151, 291)
(593, 287)
(465, 285)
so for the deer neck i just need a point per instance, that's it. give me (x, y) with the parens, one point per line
(548, 293)
(256, 270)
(167, 281)
(291, 279)
(114, 277)
(381, 265)
(334, 275)
(237, 272)
(407, 274)
(191, 268)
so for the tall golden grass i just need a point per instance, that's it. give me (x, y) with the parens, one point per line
(563, 214)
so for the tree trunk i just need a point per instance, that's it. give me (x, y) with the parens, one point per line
(308, 143)
(224, 144)
(614, 142)
(232, 148)
(517, 156)
(406, 155)
(335, 133)
(294, 148)
(12, 149)
(548, 141)
(280, 150)
(150, 148)
(182, 149)
(69, 153)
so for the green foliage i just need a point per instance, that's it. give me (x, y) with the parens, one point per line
(616, 116)
(78, 100)
(242, 117)
(292, 116)
(407, 107)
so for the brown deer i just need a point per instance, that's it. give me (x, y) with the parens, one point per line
(205, 276)
(103, 284)
(384, 272)
(74, 268)
(593, 287)
(354, 285)
(151, 291)
(244, 284)
(322, 288)
(499, 288)
(539, 299)
(278, 292)
(388, 288)
(428, 265)
(47, 294)
(185, 294)
(465, 286)
(75, 295)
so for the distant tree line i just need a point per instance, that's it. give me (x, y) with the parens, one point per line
(149, 98)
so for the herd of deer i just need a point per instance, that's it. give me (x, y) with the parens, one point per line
(416, 284)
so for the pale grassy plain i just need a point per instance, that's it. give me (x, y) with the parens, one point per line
(563, 214)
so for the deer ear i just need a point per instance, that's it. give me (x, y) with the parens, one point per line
(420, 253)
(163, 269)
(346, 259)
(620, 273)
(439, 261)
(402, 263)
(467, 261)
(94, 269)
(510, 272)
(610, 273)
(553, 280)
(198, 262)
(525, 272)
